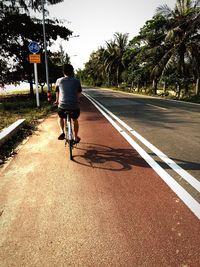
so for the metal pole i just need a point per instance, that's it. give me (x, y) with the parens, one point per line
(45, 48)
(36, 84)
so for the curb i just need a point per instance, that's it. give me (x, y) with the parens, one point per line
(8, 132)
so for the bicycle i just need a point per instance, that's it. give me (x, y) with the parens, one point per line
(69, 133)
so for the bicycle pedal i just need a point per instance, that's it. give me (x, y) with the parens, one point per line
(74, 143)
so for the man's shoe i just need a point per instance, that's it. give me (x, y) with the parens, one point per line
(61, 137)
(77, 140)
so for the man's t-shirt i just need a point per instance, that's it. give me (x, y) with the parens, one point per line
(69, 87)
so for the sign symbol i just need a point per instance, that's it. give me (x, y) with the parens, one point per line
(34, 47)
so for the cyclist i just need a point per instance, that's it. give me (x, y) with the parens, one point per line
(68, 90)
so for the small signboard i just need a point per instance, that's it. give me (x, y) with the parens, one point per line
(34, 47)
(34, 58)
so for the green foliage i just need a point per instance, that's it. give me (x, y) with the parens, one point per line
(106, 65)
(166, 49)
(19, 106)
(25, 5)
(15, 36)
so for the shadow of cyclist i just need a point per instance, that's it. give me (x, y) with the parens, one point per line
(108, 158)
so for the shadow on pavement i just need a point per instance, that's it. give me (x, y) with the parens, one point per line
(108, 158)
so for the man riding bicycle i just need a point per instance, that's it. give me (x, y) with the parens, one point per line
(68, 90)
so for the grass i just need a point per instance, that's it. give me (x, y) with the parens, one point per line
(14, 107)
(194, 99)
(21, 106)
(187, 98)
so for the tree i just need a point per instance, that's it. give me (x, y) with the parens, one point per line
(182, 38)
(15, 36)
(167, 49)
(170, 42)
(60, 57)
(26, 5)
(114, 53)
(149, 47)
(94, 72)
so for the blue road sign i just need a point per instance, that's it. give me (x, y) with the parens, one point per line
(34, 47)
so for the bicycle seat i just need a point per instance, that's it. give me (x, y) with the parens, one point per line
(68, 112)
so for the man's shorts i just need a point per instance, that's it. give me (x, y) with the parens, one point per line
(75, 113)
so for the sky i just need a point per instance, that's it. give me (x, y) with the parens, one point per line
(96, 21)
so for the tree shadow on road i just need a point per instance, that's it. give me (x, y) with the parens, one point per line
(107, 158)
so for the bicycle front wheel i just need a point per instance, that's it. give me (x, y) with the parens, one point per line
(70, 143)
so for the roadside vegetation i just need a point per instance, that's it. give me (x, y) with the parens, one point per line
(18, 106)
(164, 58)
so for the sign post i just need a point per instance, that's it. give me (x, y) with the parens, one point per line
(45, 50)
(36, 85)
(35, 58)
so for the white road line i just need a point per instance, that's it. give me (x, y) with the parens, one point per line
(156, 106)
(190, 202)
(184, 174)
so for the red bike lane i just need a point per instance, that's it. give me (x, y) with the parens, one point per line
(105, 208)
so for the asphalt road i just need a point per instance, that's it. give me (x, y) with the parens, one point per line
(171, 126)
(105, 208)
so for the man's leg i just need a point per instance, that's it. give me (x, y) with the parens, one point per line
(76, 114)
(61, 126)
(76, 128)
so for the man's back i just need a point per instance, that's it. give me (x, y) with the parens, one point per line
(69, 88)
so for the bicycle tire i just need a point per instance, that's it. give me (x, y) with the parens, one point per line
(69, 133)
(70, 143)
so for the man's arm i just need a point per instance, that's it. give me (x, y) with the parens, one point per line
(79, 89)
(57, 91)
(57, 95)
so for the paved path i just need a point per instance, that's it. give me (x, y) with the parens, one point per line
(107, 208)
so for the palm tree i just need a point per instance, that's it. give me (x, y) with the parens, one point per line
(94, 72)
(181, 45)
(114, 52)
(148, 47)
(109, 62)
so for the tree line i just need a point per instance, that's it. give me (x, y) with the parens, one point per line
(18, 28)
(165, 52)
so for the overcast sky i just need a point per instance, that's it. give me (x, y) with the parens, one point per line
(96, 21)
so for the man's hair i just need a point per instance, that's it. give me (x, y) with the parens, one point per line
(68, 70)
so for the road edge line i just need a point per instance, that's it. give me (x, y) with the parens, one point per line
(183, 173)
(189, 201)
